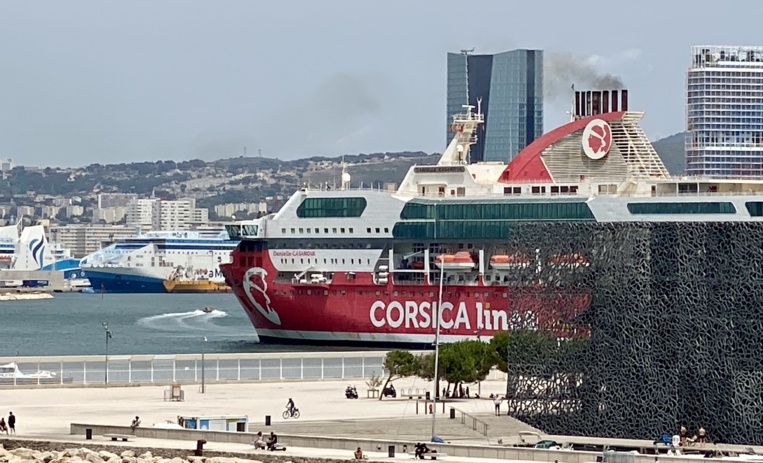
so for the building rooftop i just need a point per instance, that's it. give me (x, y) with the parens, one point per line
(726, 56)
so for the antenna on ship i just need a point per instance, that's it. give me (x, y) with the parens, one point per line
(572, 106)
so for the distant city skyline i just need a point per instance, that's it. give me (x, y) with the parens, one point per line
(87, 82)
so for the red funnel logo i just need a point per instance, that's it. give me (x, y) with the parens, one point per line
(255, 288)
(597, 139)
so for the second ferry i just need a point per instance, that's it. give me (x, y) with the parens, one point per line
(160, 262)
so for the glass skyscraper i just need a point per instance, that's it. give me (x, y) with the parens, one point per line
(510, 85)
(724, 114)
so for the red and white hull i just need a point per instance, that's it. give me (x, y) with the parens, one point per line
(353, 309)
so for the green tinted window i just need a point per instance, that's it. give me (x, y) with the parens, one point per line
(557, 210)
(755, 208)
(682, 208)
(331, 207)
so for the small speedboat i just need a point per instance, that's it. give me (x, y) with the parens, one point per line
(208, 309)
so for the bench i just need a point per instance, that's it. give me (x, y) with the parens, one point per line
(115, 437)
(430, 455)
(410, 394)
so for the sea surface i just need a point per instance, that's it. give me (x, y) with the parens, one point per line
(71, 324)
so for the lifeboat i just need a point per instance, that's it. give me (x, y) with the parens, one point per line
(509, 261)
(568, 260)
(458, 262)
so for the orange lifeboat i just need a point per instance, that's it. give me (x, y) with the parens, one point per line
(509, 261)
(460, 261)
(568, 260)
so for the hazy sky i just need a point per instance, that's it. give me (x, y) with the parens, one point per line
(113, 81)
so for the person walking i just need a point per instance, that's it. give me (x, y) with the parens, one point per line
(12, 423)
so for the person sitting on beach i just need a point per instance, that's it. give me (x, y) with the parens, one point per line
(258, 443)
(359, 455)
(3, 426)
(272, 441)
(135, 423)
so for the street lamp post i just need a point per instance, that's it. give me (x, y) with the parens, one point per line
(203, 384)
(106, 367)
(437, 348)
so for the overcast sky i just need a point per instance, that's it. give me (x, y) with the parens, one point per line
(114, 81)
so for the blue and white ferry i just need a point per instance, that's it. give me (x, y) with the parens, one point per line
(142, 263)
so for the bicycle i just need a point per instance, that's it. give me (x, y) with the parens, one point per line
(294, 414)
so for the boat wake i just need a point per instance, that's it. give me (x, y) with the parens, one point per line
(190, 323)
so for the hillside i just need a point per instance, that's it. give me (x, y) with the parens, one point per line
(672, 152)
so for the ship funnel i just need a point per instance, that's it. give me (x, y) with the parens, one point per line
(594, 102)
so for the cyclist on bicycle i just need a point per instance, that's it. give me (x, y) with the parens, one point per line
(290, 406)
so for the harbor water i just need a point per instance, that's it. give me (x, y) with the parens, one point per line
(72, 324)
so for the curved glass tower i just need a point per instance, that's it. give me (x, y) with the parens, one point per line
(510, 87)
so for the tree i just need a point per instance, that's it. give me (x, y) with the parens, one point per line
(399, 364)
(465, 361)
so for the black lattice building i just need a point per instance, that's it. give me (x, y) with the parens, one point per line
(676, 324)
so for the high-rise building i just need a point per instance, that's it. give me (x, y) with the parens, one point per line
(165, 215)
(724, 114)
(510, 88)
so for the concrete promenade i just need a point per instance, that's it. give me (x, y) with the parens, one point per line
(46, 413)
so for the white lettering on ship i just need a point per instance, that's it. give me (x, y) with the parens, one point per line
(421, 315)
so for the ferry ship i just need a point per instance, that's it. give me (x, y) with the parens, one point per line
(362, 266)
(145, 263)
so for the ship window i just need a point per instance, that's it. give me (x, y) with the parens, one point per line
(394, 293)
(308, 230)
(325, 292)
(292, 230)
(554, 190)
(378, 231)
(343, 261)
(342, 230)
(331, 207)
(682, 208)
(386, 230)
(755, 208)
(309, 292)
(485, 293)
(317, 230)
(351, 230)
(301, 230)
(324, 261)
(342, 292)
(378, 293)
(283, 230)
(333, 230)
(333, 292)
